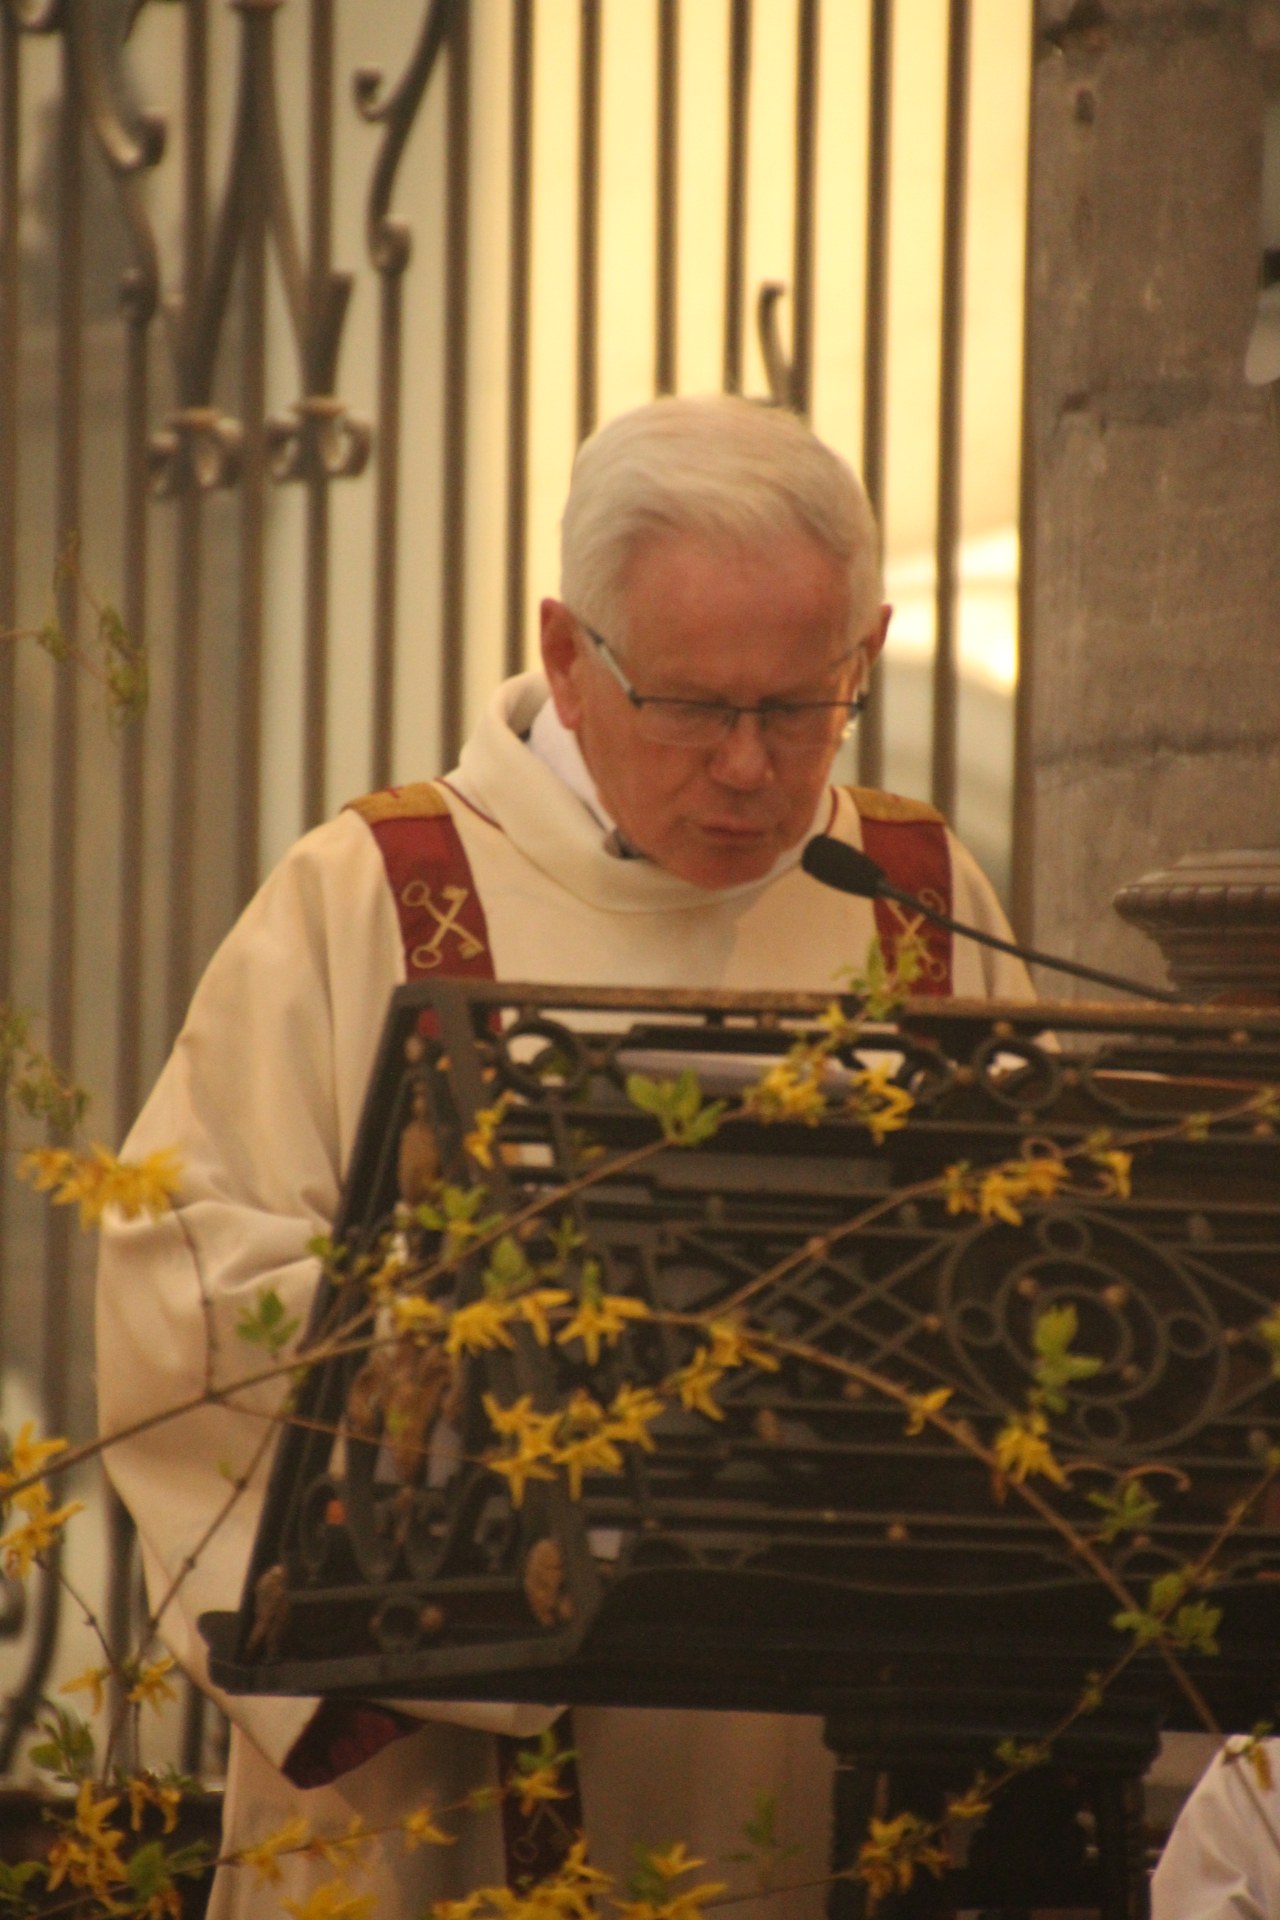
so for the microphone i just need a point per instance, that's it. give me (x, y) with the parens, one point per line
(850, 870)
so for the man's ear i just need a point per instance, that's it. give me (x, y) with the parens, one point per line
(870, 647)
(875, 639)
(562, 660)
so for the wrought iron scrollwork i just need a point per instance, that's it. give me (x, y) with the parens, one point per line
(389, 241)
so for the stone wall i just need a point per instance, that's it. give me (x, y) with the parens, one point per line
(1151, 724)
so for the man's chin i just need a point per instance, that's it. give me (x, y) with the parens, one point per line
(717, 861)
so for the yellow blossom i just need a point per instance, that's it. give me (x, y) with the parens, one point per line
(538, 1786)
(480, 1327)
(151, 1685)
(890, 1855)
(38, 1532)
(671, 1864)
(517, 1469)
(414, 1317)
(333, 1900)
(958, 1188)
(998, 1196)
(791, 1089)
(604, 1318)
(479, 1142)
(264, 1856)
(630, 1411)
(91, 1681)
(26, 1456)
(520, 1418)
(924, 1404)
(1117, 1169)
(731, 1346)
(341, 1850)
(97, 1180)
(695, 1382)
(1021, 1449)
(589, 1452)
(421, 1830)
(145, 1791)
(1040, 1173)
(880, 1106)
(87, 1853)
(534, 1306)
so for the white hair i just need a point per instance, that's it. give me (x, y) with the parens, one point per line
(717, 467)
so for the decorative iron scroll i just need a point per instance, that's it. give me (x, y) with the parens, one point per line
(748, 1560)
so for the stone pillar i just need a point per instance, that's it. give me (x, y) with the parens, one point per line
(1150, 722)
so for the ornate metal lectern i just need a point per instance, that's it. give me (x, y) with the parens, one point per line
(805, 1552)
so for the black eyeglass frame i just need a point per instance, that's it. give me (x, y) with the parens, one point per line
(763, 713)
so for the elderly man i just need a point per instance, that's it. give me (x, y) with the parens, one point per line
(632, 816)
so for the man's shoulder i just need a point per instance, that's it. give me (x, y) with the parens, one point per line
(874, 804)
(419, 800)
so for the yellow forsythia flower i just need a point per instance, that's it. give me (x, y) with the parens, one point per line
(1022, 1449)
(264, 1857)
(146, 1791)
(924, 1404)
(38, 1532)
(91, 1681)
(480, 1327)
(151, 1687)
(421, 1830)
(26, 1456)
(893, 1851)
(332, 1901)
(603, 1319)
(97, 1180)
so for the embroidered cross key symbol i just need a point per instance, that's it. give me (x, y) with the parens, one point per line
(430, 953)
(915, 926)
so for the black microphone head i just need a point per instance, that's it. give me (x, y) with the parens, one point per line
(837, 864)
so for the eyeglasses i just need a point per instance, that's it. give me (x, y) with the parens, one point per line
(785, 725)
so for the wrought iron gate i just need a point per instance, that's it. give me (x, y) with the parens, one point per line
(298, 357)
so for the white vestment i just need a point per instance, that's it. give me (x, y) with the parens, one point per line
(261, 1099)
(1222, 1860)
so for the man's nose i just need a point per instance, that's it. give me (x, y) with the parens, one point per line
(742, 758)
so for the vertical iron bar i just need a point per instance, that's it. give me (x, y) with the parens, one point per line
(736, 208)
(453, 588)
(133, 741)
(320, 195)
(588, 212)
(1022, 896)
(252, 514)
(806, 165)
(64, 798)
(386, 562)
(875, 334)
(518, 328)
(10, 291)
(61, 976)
(668, 174)
(950, 402)
(185, 722)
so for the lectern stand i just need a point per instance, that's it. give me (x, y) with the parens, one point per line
(804, 1553)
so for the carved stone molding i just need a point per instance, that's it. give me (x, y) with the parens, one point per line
(1216, 919)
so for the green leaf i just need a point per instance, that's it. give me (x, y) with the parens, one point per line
(267, 1324)
(508, 1269)
(1129, 1511)
(1195, 1627)
(677, 1105)
(14, 1881)
(67, 1751)
(1019, 1756)
(148, 1869)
